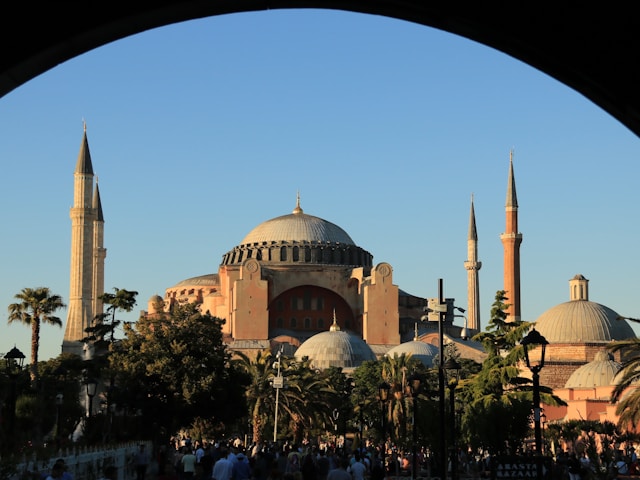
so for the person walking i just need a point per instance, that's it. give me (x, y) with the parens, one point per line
(242, 468)
(188, 462)
(223, 468)
(340, 473)
(141, 462)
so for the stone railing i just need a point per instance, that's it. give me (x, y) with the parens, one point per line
(85, 463)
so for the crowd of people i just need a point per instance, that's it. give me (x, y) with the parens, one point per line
(229, 461)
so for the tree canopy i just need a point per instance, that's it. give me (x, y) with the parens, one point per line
(176, 369)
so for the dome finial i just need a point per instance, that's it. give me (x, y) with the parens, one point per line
(298, 209)
(334, 326)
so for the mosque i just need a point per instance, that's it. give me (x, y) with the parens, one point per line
(300, 283)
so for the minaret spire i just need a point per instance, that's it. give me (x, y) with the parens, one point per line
(472, 265)
(99, 253)
(87, 252)
(511, 240)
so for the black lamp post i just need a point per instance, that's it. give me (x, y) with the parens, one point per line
(14, 360)
(452, 369)
(442, 312)
(91, 385)
(415, 385)
(336, 416)
(534, 340)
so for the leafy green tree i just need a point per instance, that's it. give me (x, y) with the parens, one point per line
(36, 306)
(498, 394)
(366, 382)
(176, 369)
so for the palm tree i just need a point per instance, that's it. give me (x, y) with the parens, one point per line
(396, 371)
(627, 380)
(37, 305)
(259, 392)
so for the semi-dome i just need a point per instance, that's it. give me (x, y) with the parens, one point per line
(600, 372)
(582, 321)
(335, 348)
(425, 352)
(297, 227)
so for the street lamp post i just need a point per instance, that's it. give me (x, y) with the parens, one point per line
(14, 360)
(91, 385)
(464, 333)
(278, 383)
(336, 416)
(442, 311)
(452, 367)
(533, 340)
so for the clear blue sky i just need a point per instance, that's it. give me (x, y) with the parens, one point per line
(202, 130)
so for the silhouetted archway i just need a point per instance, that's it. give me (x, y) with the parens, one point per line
(591, 48)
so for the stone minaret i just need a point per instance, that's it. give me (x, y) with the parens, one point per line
(99, 252)
(87, 253)
(472, 265)
(511, 240)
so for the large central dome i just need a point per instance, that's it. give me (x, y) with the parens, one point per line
(299, 239)
(297, 227)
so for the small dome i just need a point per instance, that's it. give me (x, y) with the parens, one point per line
(425, 352)
(335, 348)
(600, 372)
(297, 227)
(582, 321)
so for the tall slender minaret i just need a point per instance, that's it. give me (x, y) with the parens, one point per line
(87, 252)
(472, 265)
(99, 252)
(511, 240)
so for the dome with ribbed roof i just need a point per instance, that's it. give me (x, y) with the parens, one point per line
(600, 372)
(299, 239)
(582, 321)
(425, 352)
(202, 280)
(422, 351)
(297, 227)
(335, 348)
